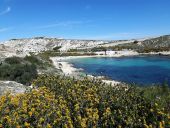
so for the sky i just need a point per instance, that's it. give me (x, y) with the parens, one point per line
(84, 19)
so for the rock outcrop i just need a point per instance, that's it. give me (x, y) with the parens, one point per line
(22, 47)
(11, 87)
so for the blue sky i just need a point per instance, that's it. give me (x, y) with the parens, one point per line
(84, 19)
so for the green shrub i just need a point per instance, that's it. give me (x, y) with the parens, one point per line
(56, 48)
(13, 60)
(91, 103)
(96, 49)
(19, 70)
(33, 60)
(58, 101)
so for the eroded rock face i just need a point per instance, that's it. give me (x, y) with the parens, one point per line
(22, 47)
(12, 87)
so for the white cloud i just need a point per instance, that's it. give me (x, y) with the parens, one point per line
(7, 10)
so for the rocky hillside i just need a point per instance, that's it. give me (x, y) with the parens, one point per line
(158, 44)
(25, 46)
(162, 41)
(22, 47)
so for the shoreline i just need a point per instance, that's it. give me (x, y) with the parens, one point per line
(69, 70)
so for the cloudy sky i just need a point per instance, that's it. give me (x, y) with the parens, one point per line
(84, 19)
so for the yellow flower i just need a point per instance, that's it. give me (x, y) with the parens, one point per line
(30, 113)
(27, 124)
(161, 125)
(83, 123)
(119, 126)
(18, 126)
(151, 110)
(41, 120)
(49, 126)
(150, 126)
(79, 118)
(32, 109)
(156, 104)
(146, 126)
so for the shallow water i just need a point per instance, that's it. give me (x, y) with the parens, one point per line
(141, 69)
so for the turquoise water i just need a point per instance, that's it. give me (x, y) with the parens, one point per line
(141, 69)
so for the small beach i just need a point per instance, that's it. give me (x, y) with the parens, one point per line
(69, 69)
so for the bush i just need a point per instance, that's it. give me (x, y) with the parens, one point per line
(96, 49)
(33, 60)
(91, 103)
(37, 108)
(63, 102)
(23, 73)
(13, 60)
(19, 70)
(57, 48)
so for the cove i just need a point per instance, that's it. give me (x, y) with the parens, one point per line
(142, 70)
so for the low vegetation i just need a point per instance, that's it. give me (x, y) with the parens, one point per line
(140, 49)
(64, 102)
(97, 49)
(21, 70)
(57, 48)
(47, 54)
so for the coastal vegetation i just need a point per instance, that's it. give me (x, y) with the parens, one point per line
(58, 101)
(22, 70)
(138, 48)
(52, 53)
(158, 44)
(57, 48)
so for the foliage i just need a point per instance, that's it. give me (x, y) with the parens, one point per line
(33, 60)
(38, 108)
(96, 49)
(75, 50)
(13, 60)
(17, 69)
(47, 54)
(139, 48)
(159, 94)
(57, 48)
(65, 102)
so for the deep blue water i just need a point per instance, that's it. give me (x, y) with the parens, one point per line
(141, 70)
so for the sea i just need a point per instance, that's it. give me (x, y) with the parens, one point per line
(141, 70)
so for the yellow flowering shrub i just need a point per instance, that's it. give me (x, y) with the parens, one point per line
(58, 101)
(38, 108)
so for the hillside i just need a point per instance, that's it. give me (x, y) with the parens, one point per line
(22, 47)
(25, 46)
(157, 44)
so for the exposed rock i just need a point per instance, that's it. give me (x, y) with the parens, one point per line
(22, 47)
(162, 41)
(12, 87)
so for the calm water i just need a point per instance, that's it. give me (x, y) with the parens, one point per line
(141, 70)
